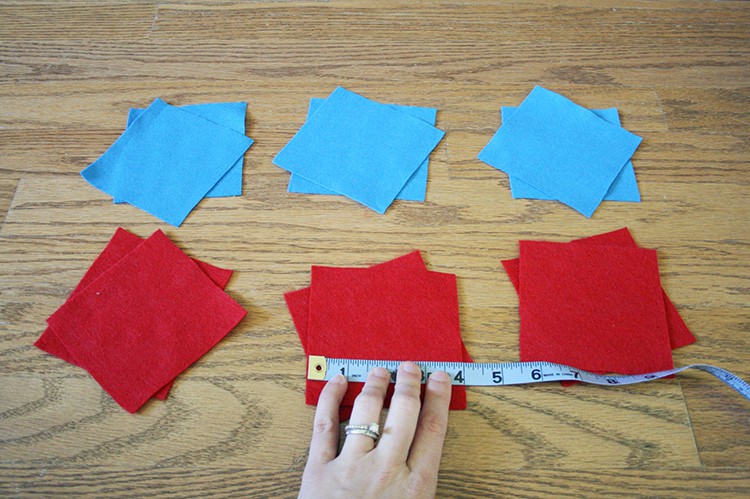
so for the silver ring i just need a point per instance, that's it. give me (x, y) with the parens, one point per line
(371, 430)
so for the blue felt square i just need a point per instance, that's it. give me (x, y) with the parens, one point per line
(228, 114)
(624, 188)
(166, 161)
(359, 148)
(416, 187)
(561, 149)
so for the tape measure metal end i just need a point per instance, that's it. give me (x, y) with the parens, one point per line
(316, 367)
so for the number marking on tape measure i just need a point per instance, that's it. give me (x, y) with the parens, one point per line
(505, 373)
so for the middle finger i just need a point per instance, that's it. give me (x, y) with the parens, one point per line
(401, 422)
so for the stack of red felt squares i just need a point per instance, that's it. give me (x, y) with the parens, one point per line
(142, 314)
(596, 304)
(397, 310)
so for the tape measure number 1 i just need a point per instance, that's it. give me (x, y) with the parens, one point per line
(505, 373)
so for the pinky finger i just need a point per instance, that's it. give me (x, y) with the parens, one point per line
(427, 447)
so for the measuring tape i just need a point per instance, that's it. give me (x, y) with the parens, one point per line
(505, 373)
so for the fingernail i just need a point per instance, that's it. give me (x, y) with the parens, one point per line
(440, 377)
(381, 372)
(339, 378)
(411, 367)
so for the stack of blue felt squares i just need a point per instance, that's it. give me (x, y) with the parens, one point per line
(370, 152)
(552, 148)
(169, 158)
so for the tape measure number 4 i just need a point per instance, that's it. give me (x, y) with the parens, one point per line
(505, 373)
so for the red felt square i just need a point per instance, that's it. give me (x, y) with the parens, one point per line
(145, 320)
(679, 334)
(298, 303)
(594, 307)
(121, 243)
(386, 315)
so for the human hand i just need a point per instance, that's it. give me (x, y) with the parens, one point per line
(405, 461)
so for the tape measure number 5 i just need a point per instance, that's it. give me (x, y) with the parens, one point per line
(505, 373)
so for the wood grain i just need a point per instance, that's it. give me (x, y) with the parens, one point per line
(236, 422)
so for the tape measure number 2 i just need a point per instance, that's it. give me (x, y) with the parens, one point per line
(505, 373)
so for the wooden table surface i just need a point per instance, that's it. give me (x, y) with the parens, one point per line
(236, 422)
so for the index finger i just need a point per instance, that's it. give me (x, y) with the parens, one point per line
(325, 437)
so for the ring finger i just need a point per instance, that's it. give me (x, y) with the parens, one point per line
(366, 410)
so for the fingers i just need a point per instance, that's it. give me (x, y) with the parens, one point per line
(325, 437)
(366, 410)
(401, 423)
(433, 422)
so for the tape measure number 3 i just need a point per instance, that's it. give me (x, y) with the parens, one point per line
(505, 373)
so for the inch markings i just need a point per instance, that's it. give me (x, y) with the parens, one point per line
(505, 373)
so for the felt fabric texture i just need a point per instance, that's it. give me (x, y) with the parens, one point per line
(561, 149)
(298, 303)
(348, 318)
(624, 188)
(679, 334)
(361, 298)
(121, 243)
(166, 161)
(145, 320)
(415, 188)
(227, 114)
(594, 307)
(357, 147)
